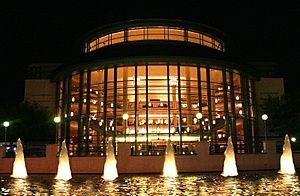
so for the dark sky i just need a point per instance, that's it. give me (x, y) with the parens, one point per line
(52, 32)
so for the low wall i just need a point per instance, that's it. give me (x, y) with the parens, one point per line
(201, 162)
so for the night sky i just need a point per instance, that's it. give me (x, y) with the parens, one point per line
(52, 33)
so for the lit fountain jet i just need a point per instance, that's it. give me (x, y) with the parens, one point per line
(110, 167)
(63, 171)
(19, 168)
(170, 169)
(286, 159)
(229, 167)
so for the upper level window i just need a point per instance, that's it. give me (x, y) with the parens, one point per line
(136, 34)
(154, 33)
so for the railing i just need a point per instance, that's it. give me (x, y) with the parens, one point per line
(157, 149)
(86, 148)
(295, 146)
(257, 147)
(29, 150)
(240, 147)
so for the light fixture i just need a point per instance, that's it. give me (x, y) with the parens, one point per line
(264, 117)
(56, 119)
(6, 124)
(293, 139)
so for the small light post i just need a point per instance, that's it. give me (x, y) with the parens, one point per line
(199, 117)
(125, 118)
(56, 120)
(293, 139)
(264, 117)
(5, 124)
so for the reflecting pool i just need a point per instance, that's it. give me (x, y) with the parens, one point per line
(246, 183)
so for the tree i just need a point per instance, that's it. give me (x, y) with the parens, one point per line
(283, 113)
(29, 122)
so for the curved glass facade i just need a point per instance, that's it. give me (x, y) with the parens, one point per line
(155, 33)
(162, 101)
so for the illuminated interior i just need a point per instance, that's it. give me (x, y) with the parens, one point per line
(147, 97)
(154, 33)
(162, 101)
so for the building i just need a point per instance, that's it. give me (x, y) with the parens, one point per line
(145, 81)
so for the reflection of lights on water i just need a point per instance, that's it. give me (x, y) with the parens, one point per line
(281, 185)
(20, 186)
(170, 186)
(249, 183)
(62, 186)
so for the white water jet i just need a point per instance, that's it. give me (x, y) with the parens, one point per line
(19, 168)
(170, 169)
(64, 170)
(286, 159)
(110, 171)
(229, 167)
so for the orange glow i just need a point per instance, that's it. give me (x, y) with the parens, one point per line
(154, 33)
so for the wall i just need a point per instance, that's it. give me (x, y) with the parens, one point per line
(266, 87)
(202, 162)
(42, 92)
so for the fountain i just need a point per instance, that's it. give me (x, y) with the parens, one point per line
(110, 167)
(64, 171)
(19, 168)
(170, 169)
(286, 159)
(229, 167)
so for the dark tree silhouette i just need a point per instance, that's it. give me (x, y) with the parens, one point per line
(28, 122)
(283, 113)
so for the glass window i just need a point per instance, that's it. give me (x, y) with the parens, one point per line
(136, 34)
(193, 37)
(92, 45)
(189, 98)
(157, 99)
(103, 41)
(117, 37)
(156, 33)
(207, 41)
(176, 34)
(74, 95)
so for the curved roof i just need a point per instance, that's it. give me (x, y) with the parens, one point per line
(155, 50)
(153, 29)
(154, 22)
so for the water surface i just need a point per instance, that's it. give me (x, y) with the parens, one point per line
(246, 183)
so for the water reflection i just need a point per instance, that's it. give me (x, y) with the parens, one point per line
(62, 187)
(169, 186)
(279, 183)
(247, 183)
(23, 186)
(19, 185)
